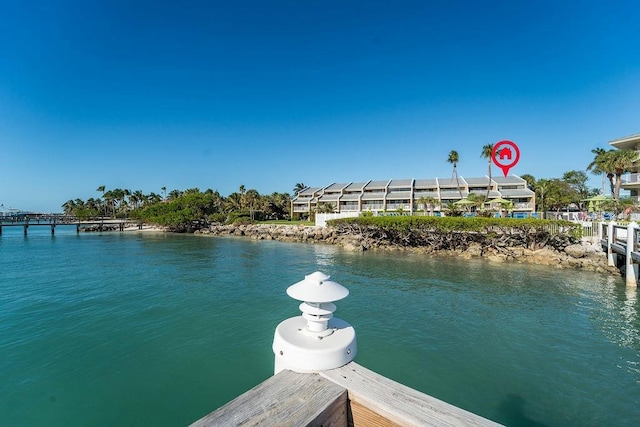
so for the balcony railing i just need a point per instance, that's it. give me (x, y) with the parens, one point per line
(371, 207)
(395, 206)
(631, 178)
(523, 205)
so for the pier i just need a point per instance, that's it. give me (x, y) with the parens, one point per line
(622, 245)
(351, 395)
(100, 225)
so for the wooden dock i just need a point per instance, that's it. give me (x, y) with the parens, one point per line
(348, 396)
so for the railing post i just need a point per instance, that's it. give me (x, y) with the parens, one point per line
(631, 269)
(610, 240)
(599, 228)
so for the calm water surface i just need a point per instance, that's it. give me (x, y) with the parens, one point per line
(153, 329)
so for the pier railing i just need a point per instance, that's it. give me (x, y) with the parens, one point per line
(621, 242)
(98, 225)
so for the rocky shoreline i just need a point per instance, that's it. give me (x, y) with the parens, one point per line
(585, 255)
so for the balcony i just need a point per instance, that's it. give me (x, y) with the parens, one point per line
(396, 206)
(372, 206)
(631, 179)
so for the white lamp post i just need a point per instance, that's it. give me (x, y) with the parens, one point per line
(315, 341)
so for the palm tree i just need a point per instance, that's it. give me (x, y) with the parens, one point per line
(251, 198)
(454, 158)
(153, 198)
(614, 164)
(487, 151)
(101, 188)
(69, 207)
(620, 162)
(233, 202)
(427, 201)
(174, 194)
(164, 191)
(593, 166)
(298, 188)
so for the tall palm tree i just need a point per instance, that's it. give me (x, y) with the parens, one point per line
(454, 158)
(487, 151)
(251, 198)
(620, 162)
(164, 191)
(614, 164)
(593, 166)
(101, 188)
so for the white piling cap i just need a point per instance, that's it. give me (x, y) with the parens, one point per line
(316, 287)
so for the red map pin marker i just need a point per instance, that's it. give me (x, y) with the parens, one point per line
(505, 155)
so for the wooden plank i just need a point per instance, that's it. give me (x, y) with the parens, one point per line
(362, 416)
(398, 403)
(286, 399)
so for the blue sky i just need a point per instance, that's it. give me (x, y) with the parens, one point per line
(213, 94)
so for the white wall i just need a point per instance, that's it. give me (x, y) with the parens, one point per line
(322, 218)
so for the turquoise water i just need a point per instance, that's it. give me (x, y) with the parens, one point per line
(152, 329)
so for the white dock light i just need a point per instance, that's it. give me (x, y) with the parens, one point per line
(316, 340)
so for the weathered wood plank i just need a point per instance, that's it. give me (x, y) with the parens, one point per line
(286, 399)
(398, 403)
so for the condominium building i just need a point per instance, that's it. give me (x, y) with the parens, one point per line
(631, 181)
(413, 195)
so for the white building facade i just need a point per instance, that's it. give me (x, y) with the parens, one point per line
(413, 195)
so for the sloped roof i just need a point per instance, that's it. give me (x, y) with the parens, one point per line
(355, 186)
(451, 182)
(398, 195)
(375, 185)
(511, 179)
(400, 183)
(626, 143)
(350, 197)
(309, 191)
(336, 187)
(425, 183)
(478, 181)
(373, 196)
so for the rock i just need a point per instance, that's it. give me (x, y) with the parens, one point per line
(349, 246)
(576, 251)
(474, 250)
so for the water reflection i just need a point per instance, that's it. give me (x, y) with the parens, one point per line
(325, 255)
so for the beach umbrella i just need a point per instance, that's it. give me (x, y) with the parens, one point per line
(500, 200)
(595, 202)
(598, 198)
